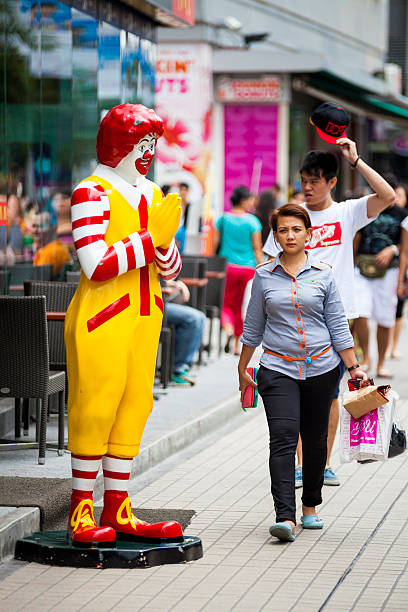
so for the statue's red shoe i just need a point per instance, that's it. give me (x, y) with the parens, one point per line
(117, 513)
(82, 528)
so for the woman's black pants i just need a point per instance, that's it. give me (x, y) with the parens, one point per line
(296, 406)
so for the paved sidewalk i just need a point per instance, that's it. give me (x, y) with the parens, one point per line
(359, 561)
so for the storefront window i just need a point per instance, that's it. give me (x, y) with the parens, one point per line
(84, 93)
(61, 69)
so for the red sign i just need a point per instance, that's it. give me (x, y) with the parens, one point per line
(325, 235)
(3, 213)
(185, 9)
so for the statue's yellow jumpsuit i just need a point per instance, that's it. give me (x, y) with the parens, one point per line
(112, 331)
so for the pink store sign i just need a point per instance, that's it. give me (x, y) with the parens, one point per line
(251, 147)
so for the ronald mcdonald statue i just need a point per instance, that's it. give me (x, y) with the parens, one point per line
(123, 232)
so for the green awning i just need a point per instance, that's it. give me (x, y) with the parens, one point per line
(387, 107)
(392, 109)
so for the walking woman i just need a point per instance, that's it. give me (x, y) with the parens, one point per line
(238, 236)
(296, 312)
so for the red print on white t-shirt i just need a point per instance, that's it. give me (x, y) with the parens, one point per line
(325, 235)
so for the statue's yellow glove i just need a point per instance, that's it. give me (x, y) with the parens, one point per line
(164, 219)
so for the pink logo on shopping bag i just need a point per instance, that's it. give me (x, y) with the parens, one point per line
(364, 429)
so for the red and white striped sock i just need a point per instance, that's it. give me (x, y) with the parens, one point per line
(116, 472)
(84, 472)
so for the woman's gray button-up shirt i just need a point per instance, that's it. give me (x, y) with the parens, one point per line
(297, 317)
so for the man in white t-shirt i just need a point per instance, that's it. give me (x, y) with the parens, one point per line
(334, 225)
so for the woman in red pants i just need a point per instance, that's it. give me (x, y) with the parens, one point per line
(238, 235)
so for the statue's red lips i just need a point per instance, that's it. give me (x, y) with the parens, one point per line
(143, 164)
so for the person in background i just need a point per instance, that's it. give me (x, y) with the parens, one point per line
(62, 204)
(237, 237)
(3, 223)
(46, 249)
(376, 281)
(392, 350)
(14, 221)
(277, 192)
(264, 208)
(297, 197)
(334, 225)
(180, 236)
(296, 312)
(401, 191)
(189, 323)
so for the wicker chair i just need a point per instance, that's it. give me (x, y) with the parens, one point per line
(23, 271)
(72, 277)
(4, 281)
(24, 372)
(215, 297)
(58, 296)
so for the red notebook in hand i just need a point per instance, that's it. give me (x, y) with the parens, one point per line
(250, 399)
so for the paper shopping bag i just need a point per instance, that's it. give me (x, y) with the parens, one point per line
(362, 401)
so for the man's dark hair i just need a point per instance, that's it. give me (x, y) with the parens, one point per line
(320, 164)
(185, 185)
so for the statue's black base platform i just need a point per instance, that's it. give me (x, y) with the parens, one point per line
(53, 548)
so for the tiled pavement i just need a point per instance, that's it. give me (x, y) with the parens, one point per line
(359, 561)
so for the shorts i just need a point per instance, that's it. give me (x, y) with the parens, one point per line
(342, 369)
(376, 298)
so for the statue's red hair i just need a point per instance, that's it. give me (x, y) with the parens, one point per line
(121, 128)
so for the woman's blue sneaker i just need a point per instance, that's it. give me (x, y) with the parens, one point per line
(298, 477)
(330, 478)
(180, 380)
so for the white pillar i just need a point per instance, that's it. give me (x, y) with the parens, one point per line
(218, 155)
(283, 148)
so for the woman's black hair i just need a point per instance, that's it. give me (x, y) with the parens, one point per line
(267, 203)
(405, 188)
(240, 193)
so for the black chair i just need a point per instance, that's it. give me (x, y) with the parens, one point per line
(58, 296)
(24, 371)
(215, 297)
(72, 277)
(166, 352)
(195, 267)
(23, 271)
(67, 267)
(4, 281)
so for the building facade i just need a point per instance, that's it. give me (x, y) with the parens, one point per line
(62, 66)
(272, 63)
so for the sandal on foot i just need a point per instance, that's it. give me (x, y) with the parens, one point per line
(282, 531)
(384, 374)
(311, 521)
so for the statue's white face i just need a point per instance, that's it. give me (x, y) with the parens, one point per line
(138, 161)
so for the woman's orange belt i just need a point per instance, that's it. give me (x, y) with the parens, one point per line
(305, 359)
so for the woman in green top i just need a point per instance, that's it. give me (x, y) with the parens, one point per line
(238, 236)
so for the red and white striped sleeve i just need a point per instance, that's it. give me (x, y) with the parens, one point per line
(168, 261)
(90, 213)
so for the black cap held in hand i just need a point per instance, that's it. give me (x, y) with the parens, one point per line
(330, 121)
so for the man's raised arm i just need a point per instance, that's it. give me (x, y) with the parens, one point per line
(384, 194)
